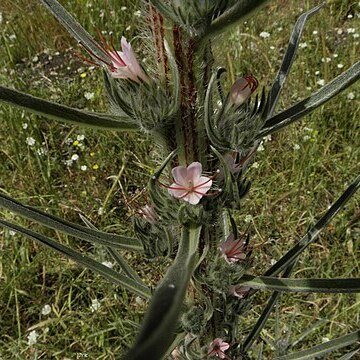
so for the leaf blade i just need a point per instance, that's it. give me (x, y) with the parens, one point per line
(64, 113)
(109, 274)
(323, 349)
(306, 106)
(78, 231)
(336, 285)
(158, 330)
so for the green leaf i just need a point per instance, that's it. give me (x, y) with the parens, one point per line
(308, 105)
(239, 11)
(350, 354)
(302, 285)
(255, 331)
(159, 326)
(323, 349)
(78, 231)
(314, 231)
(64, 113)
(109, 274)
(74, 28)
(128, 270)
(210, 127)
(288, 60)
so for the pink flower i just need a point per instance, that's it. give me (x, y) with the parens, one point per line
(242, 89)
(217, 348)
(125, 64)
(239, 291)
(122, 64)
(233, 250)
(189, 185)
(149, 214)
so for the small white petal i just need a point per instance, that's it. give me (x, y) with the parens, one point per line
(46, 310)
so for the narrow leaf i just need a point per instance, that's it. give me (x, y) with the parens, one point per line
(253, 335)
(314, 231)
(74, 28)
(350, 354)
(311, 103)
(324, 348)
(109, 274)
(64, 113)
(288, 60)
(128, 270)
(239, 11)
(302, 285)
(78, 231)
(159, 326)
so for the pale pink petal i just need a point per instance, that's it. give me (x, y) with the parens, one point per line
(193, 198)
(130, 59)
(194, 172)
(177, 191)
(179, 174)
(240, 91)
(203, 184)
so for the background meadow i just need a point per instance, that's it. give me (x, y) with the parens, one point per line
(68, 171)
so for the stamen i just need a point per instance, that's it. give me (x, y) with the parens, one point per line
(120, 60)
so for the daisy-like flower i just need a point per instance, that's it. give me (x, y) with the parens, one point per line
(121, 64)
(189, 185)
(233, 250)
(217, 348)
(242, 89)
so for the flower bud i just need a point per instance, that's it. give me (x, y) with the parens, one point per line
(242, 89)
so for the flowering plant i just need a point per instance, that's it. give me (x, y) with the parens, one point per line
(208, 136)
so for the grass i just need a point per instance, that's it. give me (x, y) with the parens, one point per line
(300, 172)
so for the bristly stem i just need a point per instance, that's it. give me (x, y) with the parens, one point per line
(157, 27)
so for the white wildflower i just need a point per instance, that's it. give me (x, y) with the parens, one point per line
(80, 137)
(350, 30)
(261, 147)
(296, 147)
(46, 310)
(351, 96)
(12, 233)
(255, 165)
(108, 264)
(340, 66)
(75, 157)
(95, 305)
(303, 45)
(264, 34)
(32, 337)
(83, 167)
(89, 95)
(24, 126)
(137, 13)
(248, 218)
(30, 141)
(315, 32)
(321, 82)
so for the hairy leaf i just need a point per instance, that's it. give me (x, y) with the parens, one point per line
(78, 231)
(111, 275)
(64, 113)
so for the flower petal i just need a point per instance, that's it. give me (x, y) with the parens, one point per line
(180, 176)
(177, 191)
(193, 198)
(203, 184)
(194, 171)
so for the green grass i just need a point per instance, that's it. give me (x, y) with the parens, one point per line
(301, 171)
